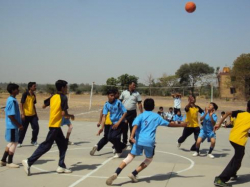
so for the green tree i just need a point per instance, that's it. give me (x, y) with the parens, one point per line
(241, 74)
(192, 73)
(112, 81)
(73, 87)
(124, 80)
(50, 88)
(168, 81)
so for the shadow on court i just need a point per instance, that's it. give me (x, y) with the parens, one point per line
(42, 161)
(158, 177)
(78, 166)
(241, 179)
(81, 142)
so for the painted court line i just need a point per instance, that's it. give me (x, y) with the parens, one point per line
(88, 112)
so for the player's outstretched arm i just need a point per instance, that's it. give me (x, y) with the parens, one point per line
(217, 126)
(133, 134)
(173, 124)
(102, 125)
(100, 119)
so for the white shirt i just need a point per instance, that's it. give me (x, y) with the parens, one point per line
(177, 102)
(130, 99)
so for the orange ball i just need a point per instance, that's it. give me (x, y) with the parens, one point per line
(190, 7)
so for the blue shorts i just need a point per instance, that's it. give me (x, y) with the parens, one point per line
(210, 134)
(11, 135)
(138, 149)
(65, 121)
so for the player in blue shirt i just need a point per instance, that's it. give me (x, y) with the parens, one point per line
(178, 118)
(143, 138)
(117, 115)
(209, 119)
(13, 123)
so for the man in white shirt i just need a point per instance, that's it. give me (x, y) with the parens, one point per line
(177, 102)
(130, 99)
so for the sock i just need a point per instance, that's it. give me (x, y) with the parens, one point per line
(197, 149)
(5, 155)
(210, 150)
(135, 173)
(10, 159)
(118, 171)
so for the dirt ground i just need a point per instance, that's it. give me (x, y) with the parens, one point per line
(79, 105)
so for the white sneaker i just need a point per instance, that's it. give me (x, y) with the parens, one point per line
(210, 156)
(92, 152)
(125, 148)
(132, 177)
(63, 170)
(111, 179)
(178, 144)
(114, 151)
(70, 143)
(35, 144)
(117, 155)
(2, 163)
(196, 154)
(12, 165)
(19, 145)
(26, 167)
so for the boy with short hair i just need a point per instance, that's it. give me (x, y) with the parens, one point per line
(29, 115)
(107, 127)
(144, 130)
(161, 112)
(209, 119)
(13, 123)
(170, 114)
(58, 109)
(193, 127)
(117, 115)
(177, 102)
(238, 138)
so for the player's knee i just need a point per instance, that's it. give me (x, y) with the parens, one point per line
(147, 161)
(128, 159)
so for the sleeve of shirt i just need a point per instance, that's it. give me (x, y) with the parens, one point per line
(47, 102)
(139, 98)
(200, 110)
(215, 117)
(24, 96)
(121, 97)
(105, 109)
(64, 103)
(137, 121)
(236, 112)
(10, 108)
(162, 122)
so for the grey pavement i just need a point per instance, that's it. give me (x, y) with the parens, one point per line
(171, 166)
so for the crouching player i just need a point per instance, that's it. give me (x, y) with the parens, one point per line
(144, 130)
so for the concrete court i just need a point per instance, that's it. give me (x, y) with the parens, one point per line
(171, 166)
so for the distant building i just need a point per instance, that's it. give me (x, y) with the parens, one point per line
(225, 85)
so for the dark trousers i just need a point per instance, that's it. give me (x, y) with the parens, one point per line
(105, 139)
(131, 115)
(176, 110)
(235, 163)
(114, 137)
(187, 131)
(33, 120)
(54, 134)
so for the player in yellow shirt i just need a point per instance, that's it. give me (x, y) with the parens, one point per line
(192, 111)
(238, 139)
(58, 109)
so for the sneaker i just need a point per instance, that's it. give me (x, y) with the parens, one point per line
(219, 182)
(63, 170)
(110, 180)
(132, 177)
(125, 148)
(234, 178)
(117, 155)
(26, 167)
(210, 156)
(178, 144)
(196, 154)
(12, 165)
(2, 163)
(92, 152)
(70, 143)
(19, 145)
(35, 144)
(114, 151)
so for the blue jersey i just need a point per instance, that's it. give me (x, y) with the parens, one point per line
(207, 124)
(178, 118)
(116, 110)
(12, 109)
(147, 123)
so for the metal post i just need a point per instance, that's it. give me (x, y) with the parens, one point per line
(212, 92)
(91, 94)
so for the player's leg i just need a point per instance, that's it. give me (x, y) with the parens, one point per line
(12, 150)
(196, 131)
(62, 144)
(70, 128)
(213, 140)
(149, 152)
(35, 129)
(5, 155)
(125, 133)
(25, 124)
(187, 131)
(198, 143)
(233, 166)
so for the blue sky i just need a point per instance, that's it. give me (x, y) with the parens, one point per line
(83, 41)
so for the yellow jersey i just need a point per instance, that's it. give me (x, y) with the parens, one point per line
(28, 102)
(192, 116)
